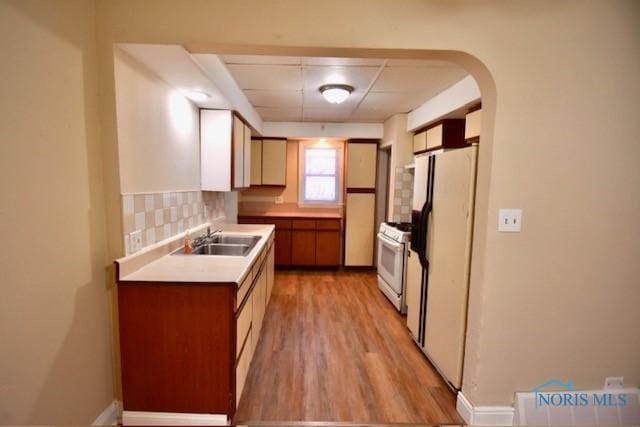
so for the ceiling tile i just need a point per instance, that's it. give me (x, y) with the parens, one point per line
(275, 98)
(261, 59)
(280, 114)
(399, 102)
(350, 62)
(377, 116)
(326, 114)
(427, 81)
(267, 77)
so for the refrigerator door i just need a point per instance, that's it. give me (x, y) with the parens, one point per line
(449, 249)
(413, 295)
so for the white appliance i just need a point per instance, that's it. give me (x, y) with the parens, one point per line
(439, 262)
(393, 249)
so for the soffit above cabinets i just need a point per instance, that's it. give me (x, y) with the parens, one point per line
(285, 88)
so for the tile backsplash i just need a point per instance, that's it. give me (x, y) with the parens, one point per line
(402, 195)
(163, 215)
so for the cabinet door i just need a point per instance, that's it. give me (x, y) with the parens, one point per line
(256, 162)
(303, 247)
(238, 152)
(248, 161)
(359, 229)
(215, 150)
(414, 289)
(327, 248)
(361, 165)
(472, 124)
(259, 302)
(274, 161)
(283, 247)
(434, 137)
(419, 142)
(270, 273)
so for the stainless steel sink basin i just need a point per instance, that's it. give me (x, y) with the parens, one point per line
(235, 240)
(224, 244)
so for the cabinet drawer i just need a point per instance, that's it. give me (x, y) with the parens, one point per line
(243, 325)
(328, 224)
(304, 224)
(281, 224)
(243, 289)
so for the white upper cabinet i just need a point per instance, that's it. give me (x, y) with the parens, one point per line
(225, 151)
(274, 162)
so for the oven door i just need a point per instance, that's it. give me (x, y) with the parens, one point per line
(391, 262)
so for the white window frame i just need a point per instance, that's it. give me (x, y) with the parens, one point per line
(302, 147)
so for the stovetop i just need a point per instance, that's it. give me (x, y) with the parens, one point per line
(398, 231)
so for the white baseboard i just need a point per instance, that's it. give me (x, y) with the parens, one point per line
(484, 415)
(110, 416)
(139, 418)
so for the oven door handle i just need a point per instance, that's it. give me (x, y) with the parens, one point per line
(398, 247)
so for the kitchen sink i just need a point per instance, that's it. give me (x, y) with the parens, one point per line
(224, 244)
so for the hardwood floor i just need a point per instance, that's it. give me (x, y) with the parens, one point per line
(334, 349)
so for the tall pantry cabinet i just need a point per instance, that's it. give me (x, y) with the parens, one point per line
(360, 202)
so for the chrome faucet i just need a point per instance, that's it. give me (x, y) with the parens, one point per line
(205, 238)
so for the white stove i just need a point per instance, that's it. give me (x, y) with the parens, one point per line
(393, 251)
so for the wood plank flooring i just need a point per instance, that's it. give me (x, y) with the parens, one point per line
(334, 349)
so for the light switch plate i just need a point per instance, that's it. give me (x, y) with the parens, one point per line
(135, 241)
(510, 220)
(279, 200)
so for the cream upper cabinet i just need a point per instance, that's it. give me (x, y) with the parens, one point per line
(238, 152)
(225, 151)
(361, 165)
(247, 157)
(434, 137)
(472, 124)
(419, 142)
(215, 150)
(256, 162)
(274, 161)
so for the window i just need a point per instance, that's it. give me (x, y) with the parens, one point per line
(320, 174)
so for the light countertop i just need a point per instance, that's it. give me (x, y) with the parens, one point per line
(158, 265)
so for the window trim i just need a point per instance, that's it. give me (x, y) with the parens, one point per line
(303, 146)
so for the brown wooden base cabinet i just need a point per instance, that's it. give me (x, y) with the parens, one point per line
(187, 347)
(303, 242)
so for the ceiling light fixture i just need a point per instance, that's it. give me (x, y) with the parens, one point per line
(197, 95)
(335, 93)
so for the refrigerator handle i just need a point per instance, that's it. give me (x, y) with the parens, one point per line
(424, 231)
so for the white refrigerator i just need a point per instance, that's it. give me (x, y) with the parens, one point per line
(439, 262)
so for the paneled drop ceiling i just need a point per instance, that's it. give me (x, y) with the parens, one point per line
(285, 88)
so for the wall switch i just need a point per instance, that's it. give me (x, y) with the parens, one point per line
(135, 241)
(613, 383)
(510, 220)
(279, 200)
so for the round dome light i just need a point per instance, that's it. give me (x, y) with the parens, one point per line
(335, 94)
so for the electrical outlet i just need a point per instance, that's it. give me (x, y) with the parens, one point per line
(613, 383)
(135, 241)
(510, 220)
(279, 200)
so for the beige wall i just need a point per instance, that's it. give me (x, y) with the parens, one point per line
(55, 341)
(560, 88)
(158, 131)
